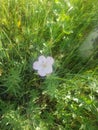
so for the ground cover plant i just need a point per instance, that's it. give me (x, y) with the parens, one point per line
(64, 96)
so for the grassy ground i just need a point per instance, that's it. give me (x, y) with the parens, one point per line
(68, 98)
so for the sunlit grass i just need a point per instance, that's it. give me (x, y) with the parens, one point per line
(64, 100)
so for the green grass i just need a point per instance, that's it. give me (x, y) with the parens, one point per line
(68, 98)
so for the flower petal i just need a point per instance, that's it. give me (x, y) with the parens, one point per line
(41, 72)
(48, 69)
(50, 60)
(41, 58)
(36, 65)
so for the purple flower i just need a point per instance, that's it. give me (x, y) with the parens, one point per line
(43, 65)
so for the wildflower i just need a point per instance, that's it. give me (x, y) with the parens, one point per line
(43, 65)
(19, 24)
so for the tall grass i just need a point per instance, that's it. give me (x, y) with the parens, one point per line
(65, 100)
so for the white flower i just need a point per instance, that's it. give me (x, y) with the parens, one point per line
(43, 65)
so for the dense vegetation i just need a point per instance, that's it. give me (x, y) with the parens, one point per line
(68, 98)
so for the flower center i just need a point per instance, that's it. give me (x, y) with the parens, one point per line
(44, 65)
